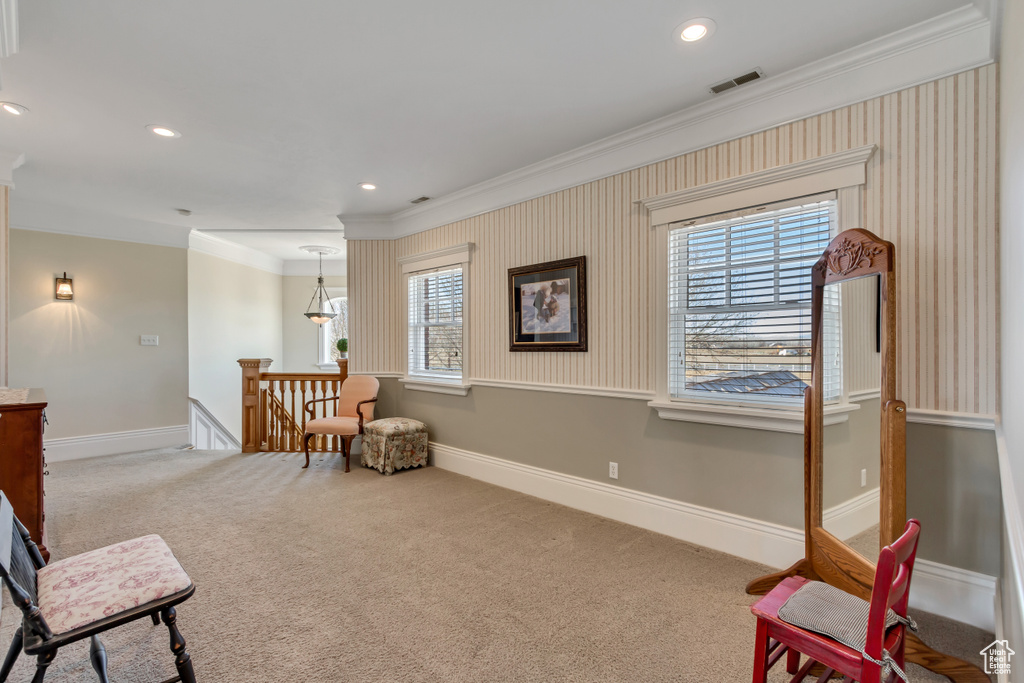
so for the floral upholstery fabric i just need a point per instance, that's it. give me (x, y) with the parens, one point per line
(101, 583)
(394, 443)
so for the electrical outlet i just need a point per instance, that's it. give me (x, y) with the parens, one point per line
(863, 478)
(613, 470)
(149, 340)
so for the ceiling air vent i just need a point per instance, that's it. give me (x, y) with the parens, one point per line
(754, 75)
(418, 200)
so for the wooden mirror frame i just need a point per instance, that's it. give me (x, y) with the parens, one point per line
(851, 255)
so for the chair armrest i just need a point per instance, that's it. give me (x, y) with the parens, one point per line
(359, 410)
(307, 405)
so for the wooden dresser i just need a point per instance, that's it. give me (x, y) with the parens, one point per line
(21, 462)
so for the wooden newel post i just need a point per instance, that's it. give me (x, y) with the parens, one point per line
(343, 370)
(251, 369)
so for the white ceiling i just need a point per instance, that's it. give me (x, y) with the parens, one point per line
(285, 107)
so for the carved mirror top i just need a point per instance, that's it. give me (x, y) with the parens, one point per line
(851, 254)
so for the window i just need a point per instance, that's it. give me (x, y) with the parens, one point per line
(732, 317)
(740, 302)
(436, 318)
(331, 332)
(435, 324)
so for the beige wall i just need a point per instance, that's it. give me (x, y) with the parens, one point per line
(234, 311)
(930, 189)
(1012, 320)
(86, 353)
(300, 335)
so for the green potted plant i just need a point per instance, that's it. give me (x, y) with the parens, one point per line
(343, 348)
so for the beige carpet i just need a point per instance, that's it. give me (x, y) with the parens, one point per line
(315, 575)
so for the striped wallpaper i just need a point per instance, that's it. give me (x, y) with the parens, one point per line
(931, 190)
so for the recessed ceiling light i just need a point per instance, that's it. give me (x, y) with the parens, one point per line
(164, 131)
(694, 29)
(13, 108)
(368, 186)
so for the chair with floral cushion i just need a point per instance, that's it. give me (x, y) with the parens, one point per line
(84, 595)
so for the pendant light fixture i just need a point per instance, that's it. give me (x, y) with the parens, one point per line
(319, 315)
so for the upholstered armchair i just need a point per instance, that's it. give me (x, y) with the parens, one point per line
(354, 406)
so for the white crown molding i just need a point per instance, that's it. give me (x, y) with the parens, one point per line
(937, 588)
(332, 268)
(9, 160)
(94, 445)
(951, 43)
(950, 419)
(64, 220)
(8, 27)
(230, 251)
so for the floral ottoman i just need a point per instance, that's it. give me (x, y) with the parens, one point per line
(394, 443)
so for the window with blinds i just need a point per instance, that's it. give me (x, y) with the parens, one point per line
(740, 303)
(435, 324)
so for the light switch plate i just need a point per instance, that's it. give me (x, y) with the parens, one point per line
(149, 340)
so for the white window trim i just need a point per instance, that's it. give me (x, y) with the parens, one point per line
(459, 255)
(844, 173)
(332, 293)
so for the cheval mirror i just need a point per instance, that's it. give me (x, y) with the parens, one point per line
(853, 344)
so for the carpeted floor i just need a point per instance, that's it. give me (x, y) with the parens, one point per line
(315, 575)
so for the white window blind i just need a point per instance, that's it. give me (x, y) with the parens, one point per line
(740, 302)
(435, 324)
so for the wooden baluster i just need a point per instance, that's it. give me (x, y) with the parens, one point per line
(271, 445)
(274, 385)
(335, 391)
(302, 406)
(264, 418)
(293, 439)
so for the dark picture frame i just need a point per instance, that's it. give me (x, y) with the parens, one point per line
(547, 304)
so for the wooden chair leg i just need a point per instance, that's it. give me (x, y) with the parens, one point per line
(182, 660)
(12, 655)
(761, 643)
(792, 661)
(346, 448)
(98, 657)
(305, 446)
(156, 618)
(42, 661)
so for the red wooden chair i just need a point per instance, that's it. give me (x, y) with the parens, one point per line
(883, 621)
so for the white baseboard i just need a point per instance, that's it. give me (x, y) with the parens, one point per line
(77, 447)
(940, 589)
(956, 593)
(860, 513)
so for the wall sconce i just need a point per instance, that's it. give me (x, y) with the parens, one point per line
(64, 291)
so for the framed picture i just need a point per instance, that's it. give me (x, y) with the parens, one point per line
(548, 306)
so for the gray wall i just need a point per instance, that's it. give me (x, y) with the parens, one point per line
(952, 472)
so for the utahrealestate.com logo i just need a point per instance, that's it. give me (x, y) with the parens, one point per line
(997, 657)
